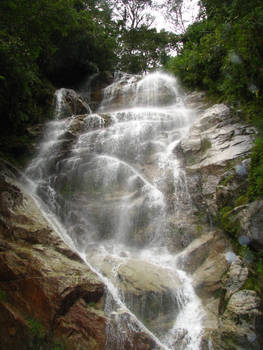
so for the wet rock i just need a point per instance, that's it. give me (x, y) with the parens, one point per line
(139, 276)
(47, 294)
(40, 283)
(130, 90)
(86, 122)
(207, 277)
(205, 257)
(195, 97)
(70, 103)
(183, 229)
(121, 92)
(196, 253)
(95, 87)
(164, 97)
(215, 138)
(148, 290)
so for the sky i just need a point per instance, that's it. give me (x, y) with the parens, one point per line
(190, 12)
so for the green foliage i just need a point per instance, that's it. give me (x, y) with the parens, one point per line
(142, 49)
(241, 201)
(255, 279)
(256, 171)
(205, 145)
(259, 265)
(91, 304)
(57, 346)
(3, 295)
(227, 179)
(227, 221)
(37, 329)
(223, 53)
(254, 283)
(47, 41)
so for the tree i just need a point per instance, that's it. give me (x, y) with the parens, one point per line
(44, 42)
(179, 14)
(144, 49)
(133, 14)
(140, 46)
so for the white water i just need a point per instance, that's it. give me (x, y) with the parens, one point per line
(110, 191)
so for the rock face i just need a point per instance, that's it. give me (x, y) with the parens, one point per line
(240, 324)
(215, 154)
(50, 299)
(128, 92)
(48, 296)
(215, 140)
(251, 223)
(69, 103)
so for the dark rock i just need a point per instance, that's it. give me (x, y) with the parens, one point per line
(69, 103)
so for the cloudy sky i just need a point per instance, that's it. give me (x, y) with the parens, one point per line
(190, 12)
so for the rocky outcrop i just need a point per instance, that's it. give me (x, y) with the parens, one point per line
(69, 103)
(216, 140)
(48, 297)
(240, 324)
(84, 122)
(144, 284)
(216, 157)
(130, 90)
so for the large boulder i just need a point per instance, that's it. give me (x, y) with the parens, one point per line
(148, 290)
(69, 103)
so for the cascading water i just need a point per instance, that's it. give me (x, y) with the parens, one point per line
(116, 188)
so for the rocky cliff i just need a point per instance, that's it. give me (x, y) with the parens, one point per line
(216, 157)
(50, 299)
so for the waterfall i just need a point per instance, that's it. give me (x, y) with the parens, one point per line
(114, 185)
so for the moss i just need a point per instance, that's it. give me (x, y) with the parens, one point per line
(205, 145)
(91, 304)
(37, 329)
(3, 295)
(259, 266)
(191, 160)
(227, 179)
(228, 222)
(254, 283)
(241, 200)
(199, 228)
(255, 178)
(218, 293)
(57, 346)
